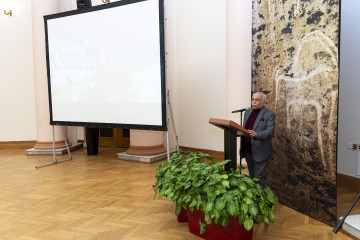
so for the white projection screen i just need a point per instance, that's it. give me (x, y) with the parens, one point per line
(106, 66)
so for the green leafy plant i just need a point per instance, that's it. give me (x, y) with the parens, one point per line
(196, 180)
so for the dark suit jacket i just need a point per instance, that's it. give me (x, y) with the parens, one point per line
(264, 126)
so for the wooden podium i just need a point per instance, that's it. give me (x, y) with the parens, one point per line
(231, 131)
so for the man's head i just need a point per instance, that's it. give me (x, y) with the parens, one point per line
(258, 100)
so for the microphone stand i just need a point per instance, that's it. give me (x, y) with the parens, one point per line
(241, 124)
(241, 119)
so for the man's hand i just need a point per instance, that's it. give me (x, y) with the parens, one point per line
(252, 133)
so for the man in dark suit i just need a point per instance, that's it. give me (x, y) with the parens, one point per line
(257, 149)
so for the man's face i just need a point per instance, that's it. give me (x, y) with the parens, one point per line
(257, 101)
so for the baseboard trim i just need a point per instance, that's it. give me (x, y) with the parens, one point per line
(216, 155)
(348, 181)
(348, 234)
(17, 144)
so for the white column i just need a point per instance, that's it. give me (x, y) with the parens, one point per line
(146, 142)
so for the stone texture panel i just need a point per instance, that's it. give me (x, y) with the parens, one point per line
(295, 60)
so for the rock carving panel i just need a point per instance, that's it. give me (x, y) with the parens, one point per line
(295, 60)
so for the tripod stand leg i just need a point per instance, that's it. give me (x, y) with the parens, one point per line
(173, 123)
(338, 226)
(167, 145)
(54, 153)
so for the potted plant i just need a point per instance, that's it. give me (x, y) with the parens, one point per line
(196, 182)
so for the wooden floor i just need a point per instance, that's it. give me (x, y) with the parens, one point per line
(347, 192)
(103, 197)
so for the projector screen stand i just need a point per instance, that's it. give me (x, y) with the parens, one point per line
(173, 124)
(54, 155)
(92, 140)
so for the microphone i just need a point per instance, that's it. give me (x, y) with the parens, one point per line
(241, 110)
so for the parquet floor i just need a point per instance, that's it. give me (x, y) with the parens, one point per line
(103, 197)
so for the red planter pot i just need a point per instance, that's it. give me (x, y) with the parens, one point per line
(234, 231)
(182, 217)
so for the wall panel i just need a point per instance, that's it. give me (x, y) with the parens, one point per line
(295, 59)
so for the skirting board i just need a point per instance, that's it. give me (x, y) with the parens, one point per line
(58, 151)
(143, 158)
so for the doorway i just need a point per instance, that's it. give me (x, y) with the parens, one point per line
(114, 137)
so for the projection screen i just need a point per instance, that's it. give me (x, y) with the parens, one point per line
(106, 66)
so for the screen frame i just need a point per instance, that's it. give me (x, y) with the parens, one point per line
(163, 126)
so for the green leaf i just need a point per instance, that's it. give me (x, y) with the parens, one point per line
(272, 214)
(213, 181)
(209, 206)
(202, 227)
(248, 224)
(261, 204)
(248, 201)
(187, 185)
(216, 216)
(244, 208)
(242, 187)
(225, 183)
(249, 193)
(177, 210)
(237, 208)
(220, 204)
(161, 192)
(224, 221)
(193, 203)
(211, 196)
(234, 181)
(241, 218)
(207, 218)
(272, 198)
(231, 208)
(224, 176)
(266, 220)
(199, 183)
(265, 211)
(198, 201)
(253, 210)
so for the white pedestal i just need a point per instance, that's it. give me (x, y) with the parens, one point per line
(58, 151)
(144, 158)
(352, 225)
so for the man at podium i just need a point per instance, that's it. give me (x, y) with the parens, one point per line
(257, 149)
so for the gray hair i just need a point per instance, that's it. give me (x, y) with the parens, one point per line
(263, 96)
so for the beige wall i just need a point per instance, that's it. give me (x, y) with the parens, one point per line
(209, 66)
(348, 160)
(238, 58)
(17, 98)
(199, 65)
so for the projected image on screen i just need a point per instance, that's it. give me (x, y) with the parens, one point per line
(105, 65)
